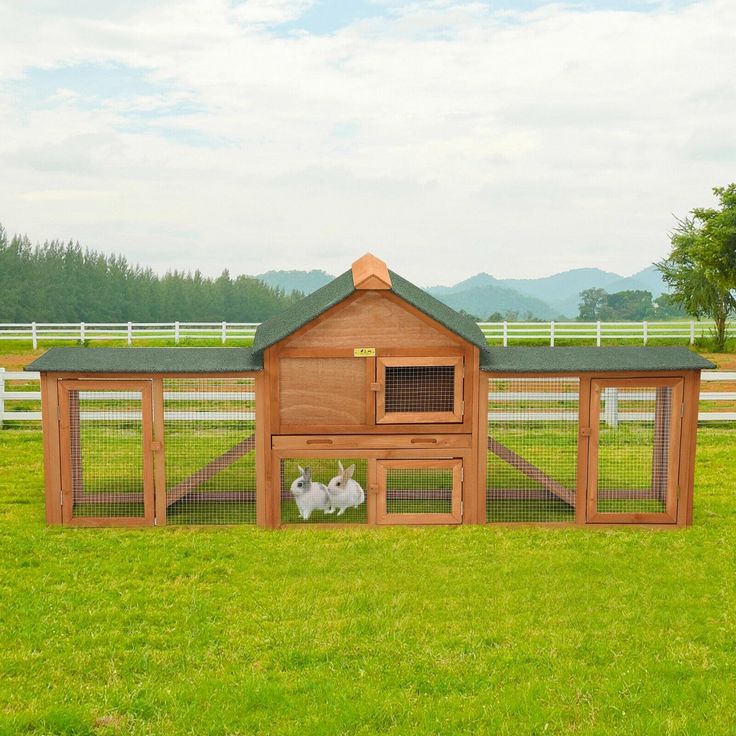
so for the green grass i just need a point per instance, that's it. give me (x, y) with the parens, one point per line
(466, 630)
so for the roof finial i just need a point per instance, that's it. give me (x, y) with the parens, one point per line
(370, 272)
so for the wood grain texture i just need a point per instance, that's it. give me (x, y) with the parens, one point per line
(374, 320)
(370, 272)
(323, 391)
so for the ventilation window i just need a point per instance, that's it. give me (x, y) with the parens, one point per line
(419, 390)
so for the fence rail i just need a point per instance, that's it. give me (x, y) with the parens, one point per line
(21, 394)
(496, 332)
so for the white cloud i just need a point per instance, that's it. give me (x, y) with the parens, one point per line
(447, 138)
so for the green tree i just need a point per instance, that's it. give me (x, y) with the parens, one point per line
(591, 303)
(701, 268)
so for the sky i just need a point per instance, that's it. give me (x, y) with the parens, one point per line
(446, 136)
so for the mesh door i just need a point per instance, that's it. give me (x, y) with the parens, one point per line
(635, 427)
(106, 453)
(420, 388)
(209, 433)
(420, 491)
(330, 496)
(532, 449)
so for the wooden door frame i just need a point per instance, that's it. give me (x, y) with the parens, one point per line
(142, 386)
(454, 517)
(437, 417)
(670, 515)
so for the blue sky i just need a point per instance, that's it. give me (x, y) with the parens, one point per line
(445, 135)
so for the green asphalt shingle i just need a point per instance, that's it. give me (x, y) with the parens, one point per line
(589, 359)
(304, 311)
(147, 360)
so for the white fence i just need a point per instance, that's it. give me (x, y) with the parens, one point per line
(552, 332)
(21, 394)
(497, 332)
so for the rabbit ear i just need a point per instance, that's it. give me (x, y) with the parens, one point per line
(307, 474)
(348, 472)
(301, 470)
(339, 465)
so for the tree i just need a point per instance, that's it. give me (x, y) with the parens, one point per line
(701, 269)
(591, 302)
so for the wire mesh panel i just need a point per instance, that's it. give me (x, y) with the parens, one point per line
(209, 433)
(420, 491)
(634, 452)
(323, 490)
(103, 449)
(420, 390)
(532, 449)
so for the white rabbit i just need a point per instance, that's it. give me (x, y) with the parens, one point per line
(344, 492)
(309, 496)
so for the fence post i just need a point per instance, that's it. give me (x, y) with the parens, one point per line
(692, 332)
(552, 334)
(505, 334)
(130, 333)
(176, 333)
(81, 333)
(2, 395)
(224, 332)
(598, 333)
(645, 332)
(34, 335)
(610, 408)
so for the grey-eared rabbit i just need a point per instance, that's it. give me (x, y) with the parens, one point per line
(344, 492)
(309, 496)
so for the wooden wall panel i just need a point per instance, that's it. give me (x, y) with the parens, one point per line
(323, 391)
(372, 320)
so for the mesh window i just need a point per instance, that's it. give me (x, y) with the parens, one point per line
(420, 388)
(419, 490)
(330, 497)
(633, 450)
(106, 431)
(532, 449)
(209, 440)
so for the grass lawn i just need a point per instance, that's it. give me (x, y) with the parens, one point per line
(497, 630)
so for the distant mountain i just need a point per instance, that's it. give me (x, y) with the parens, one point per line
(288, 281)
(549, 297)
(483, 301)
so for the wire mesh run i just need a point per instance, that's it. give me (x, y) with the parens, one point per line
(532, 449)
(323, 490)
(419, 490)
(420, 388)
(633, 450)
(106, 434)
(209, 440)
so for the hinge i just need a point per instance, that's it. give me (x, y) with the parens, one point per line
(682, 409)
(462, 408)
(462, 508)
(462, 474)
(58, 413)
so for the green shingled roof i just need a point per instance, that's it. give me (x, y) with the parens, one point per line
(147, 360)
(307, 309)
(598, 360)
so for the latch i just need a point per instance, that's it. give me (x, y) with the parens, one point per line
(585, 431)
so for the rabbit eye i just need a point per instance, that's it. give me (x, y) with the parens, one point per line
(337, 484)
(299, 484)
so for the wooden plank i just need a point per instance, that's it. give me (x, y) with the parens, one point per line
(688, 446)
(323, 391)
(531, 471)
(51, 460)
(209, 471)
(149, 506)
(368, 441)
(373, 319)
(584, 435)
(159, 455)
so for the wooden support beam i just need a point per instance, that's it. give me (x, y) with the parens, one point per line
(209, 471)
(531, 471)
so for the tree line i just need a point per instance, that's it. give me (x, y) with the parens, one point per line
(62, 282)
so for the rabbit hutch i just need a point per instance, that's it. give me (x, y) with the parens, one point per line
(369, 402)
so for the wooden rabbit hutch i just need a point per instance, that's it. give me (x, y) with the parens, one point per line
(369, 402)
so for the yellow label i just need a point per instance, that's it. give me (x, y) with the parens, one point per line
(364, 352)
